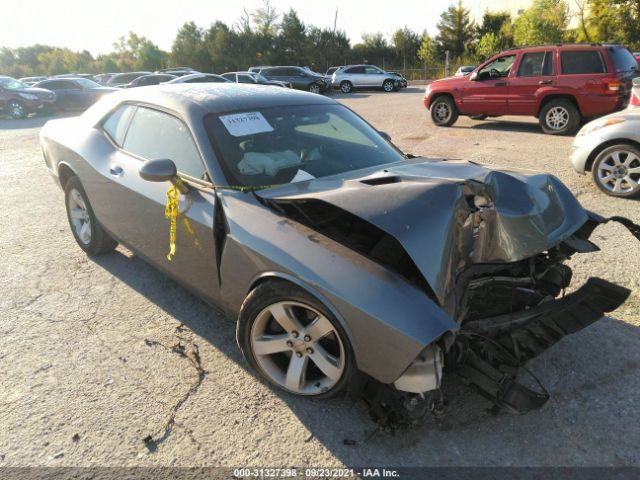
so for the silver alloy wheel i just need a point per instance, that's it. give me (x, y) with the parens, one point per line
(79, 216)
(314, 88)
(298, 348)
(619, 171)
(345, 87)
(442, 112)
(387, 86)
(557, 118)
(16, 110)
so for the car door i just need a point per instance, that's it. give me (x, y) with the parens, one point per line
(133, 209)
(76, 97)
(534, 74)
(356, 76)
(486, 91)
(373, 77)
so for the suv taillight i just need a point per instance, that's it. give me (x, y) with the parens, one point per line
(612, 85)
(634, 100)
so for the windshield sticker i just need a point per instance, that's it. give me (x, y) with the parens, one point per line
(248, 123)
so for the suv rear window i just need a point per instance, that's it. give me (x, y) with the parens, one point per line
(623, 60)
(580, 62)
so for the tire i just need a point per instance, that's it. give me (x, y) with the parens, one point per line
(616, 170)
(443, 111)
(346, 86)
(559, 117)
(315, 88)
(92, 239)
(281, 360)
(16, 110)
(388, 86)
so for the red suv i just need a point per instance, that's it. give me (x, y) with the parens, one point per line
(558, 84)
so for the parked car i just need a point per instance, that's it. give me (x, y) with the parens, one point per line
(30, 81)
(609, 148)
(120, 79)
(103, 78)
(637, 55)
(19, 100)
(151, 79)
(324, 264)
(402, 82)
(634, 100)
(74, 93)
(364, 76)
(464, 70)
(298, 77)
(199, 78)
(558, 84)
(250, 77)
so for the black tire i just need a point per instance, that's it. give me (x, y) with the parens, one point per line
(99, 241)
(346, 86)
(559, 117)
(444, 112)
(315, 88)
(16, 109)
(388, 86)
(605, 166)
(274, 291)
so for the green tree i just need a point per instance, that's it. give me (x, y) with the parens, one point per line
(546, 21)
(488, 45)
(189, 49)
(500, 25)
(406, 43)
(266, 19)
(455, 30)
(428, 49)
(293, 40)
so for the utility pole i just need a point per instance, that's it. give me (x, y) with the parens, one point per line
(447, 61)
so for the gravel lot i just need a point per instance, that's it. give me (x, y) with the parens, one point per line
(89, 367)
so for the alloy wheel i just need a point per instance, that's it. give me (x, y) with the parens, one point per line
(442, 111)
(79, 216)
(16, 110)
(619, 172)
(314, 88)
(345, 87)
(387, 86)
(557, 118)
(298, 348)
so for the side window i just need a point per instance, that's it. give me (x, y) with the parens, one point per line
(536, 64)
(245, 79)
(230, 76)
(116, 123)
(500, 67)
(153, 134)
(354, 70)
(371, 70)
(580, 62)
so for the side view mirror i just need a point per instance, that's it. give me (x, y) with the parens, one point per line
(385, 135)
(474, 76)
(161, 170)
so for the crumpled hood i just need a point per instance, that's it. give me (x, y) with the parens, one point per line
(450, 214)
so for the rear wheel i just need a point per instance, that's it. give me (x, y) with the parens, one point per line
(616, 170)
(16, 110)
(443, 111)
(85, 227)
(559, 117)
(294, 341)
(346, 87)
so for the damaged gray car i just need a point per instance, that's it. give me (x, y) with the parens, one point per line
(348, 264)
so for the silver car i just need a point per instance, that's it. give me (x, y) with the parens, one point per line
(609, 148)
(363, 76)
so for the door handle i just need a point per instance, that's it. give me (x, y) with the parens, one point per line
(501, 84)
(116, 170)
(544, 82)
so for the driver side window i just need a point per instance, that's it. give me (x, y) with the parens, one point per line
(500, 67)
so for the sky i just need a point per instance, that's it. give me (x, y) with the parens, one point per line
(95, 25)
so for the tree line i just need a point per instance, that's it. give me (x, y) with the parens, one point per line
(268, 37)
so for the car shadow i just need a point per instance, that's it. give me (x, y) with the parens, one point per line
(33, 121)
(504, 126)
(595, 367)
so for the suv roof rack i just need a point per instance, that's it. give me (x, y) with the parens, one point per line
(582, 44)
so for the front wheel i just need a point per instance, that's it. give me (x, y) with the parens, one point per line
(88, 233)
(559, 117)
(314, 88)
(16, 110)
(616, 171)
(388, 86)
(444, 112)
(294, 341)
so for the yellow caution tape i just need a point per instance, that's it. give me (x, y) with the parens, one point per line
(171, 213)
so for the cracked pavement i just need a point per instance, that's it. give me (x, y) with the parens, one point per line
(105, 362)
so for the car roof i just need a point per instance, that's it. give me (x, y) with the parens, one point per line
(189, 99)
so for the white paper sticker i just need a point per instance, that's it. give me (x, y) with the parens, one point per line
(248, 123)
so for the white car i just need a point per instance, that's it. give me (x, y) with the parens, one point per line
(609, 148)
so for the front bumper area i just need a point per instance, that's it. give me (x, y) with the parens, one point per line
(582, 147)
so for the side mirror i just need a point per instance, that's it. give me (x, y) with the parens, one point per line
(385, 135)
(161, 170)
(473, 77)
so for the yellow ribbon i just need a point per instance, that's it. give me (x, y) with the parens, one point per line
(171, 213)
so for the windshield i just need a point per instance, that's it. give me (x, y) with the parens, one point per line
(12, 84)
(623, 60)
(86, 83)
(272, 146)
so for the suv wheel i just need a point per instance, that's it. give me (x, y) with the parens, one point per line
(443, 111)
(388, 86)
(616, 170)
(314, 88)
(346, 87)
(559, 117)
(16, 109)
